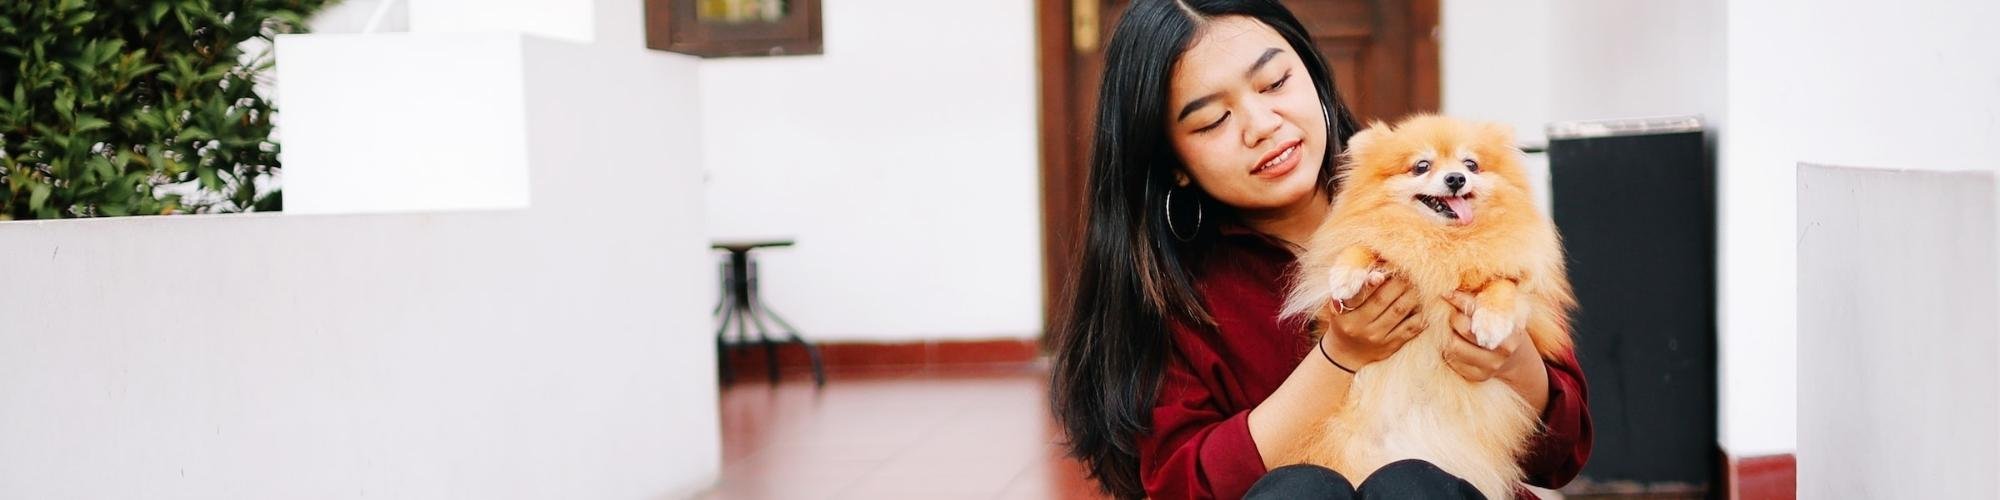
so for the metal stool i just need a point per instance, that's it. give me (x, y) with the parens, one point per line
(740, 304)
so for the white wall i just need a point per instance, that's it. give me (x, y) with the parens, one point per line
(607, 23)
(1899, 305)
(572, 20)
(412, 165)
(1627, 58)
(1494, 60)
(407, 164)
(1921, 89)
(559, 350)
(903, 161)
(619, 23)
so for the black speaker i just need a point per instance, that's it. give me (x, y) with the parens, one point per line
(1634, 201)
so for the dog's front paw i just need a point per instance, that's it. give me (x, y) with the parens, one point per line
(1343, 282)
(1490, 327)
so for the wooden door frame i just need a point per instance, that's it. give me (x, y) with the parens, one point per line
(1052, 47)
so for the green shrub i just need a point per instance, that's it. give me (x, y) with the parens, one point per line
(131, 107)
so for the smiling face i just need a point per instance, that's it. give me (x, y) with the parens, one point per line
(1244, 117)
(1446, 170)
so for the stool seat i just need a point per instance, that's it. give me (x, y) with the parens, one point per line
(740, 305)
(734, 246)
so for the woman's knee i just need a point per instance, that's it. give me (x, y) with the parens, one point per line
(1411, 470)
(1413, 478)
(1301, 481)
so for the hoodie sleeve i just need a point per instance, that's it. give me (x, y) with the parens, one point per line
(1194, 450)
(1560, 450)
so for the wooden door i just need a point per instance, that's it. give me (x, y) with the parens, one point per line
(1383, 54)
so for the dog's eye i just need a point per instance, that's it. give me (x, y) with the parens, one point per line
(1471, 165)
(1421, 167)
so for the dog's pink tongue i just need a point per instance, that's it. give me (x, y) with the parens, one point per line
(1460, 206)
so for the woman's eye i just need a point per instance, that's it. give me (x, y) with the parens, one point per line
(1211, 126)
(1280, 83)
(1471, 165)
(1421, 167)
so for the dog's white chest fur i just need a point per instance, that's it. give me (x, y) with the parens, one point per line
(1413, 406)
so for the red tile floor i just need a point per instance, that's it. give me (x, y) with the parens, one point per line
(973, 432)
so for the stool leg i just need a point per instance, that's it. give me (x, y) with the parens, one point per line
(722, 345)
(749, 282)
(770, 354)
(743, 330)
(725, 307)
(722, 296)
(812, 351)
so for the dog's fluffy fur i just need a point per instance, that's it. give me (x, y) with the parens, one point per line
(1491, 241)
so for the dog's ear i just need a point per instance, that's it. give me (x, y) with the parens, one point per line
(1495, 133)
(1362, 139)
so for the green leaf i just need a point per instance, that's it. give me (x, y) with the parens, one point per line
(109, 51)
(193, 134)
(79, 17)
(271, 202)
(65, 102)
(159, 162)
(100, 168)
(38, 196)
(208, 178)
(86, 123)
(142, 70)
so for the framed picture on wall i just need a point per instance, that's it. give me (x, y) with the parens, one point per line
(729, 28)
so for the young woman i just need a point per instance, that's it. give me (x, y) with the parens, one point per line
(1218, 128)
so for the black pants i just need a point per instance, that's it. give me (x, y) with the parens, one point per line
(1408, 479)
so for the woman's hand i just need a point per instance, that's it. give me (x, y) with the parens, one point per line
(1374, 323)
(1514, 361)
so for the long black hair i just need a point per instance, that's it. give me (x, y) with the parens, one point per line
(1111, 342)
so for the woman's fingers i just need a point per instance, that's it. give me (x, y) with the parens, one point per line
(1461, 324)
(1403, 332)
(1379, 303)
(1474, 363)
(1404, 307)
(1360, 297)
(1461, 301)
(1461, 314)
(1375, 287)
(1376, 278)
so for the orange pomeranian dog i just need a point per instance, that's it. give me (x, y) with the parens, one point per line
(1444, 204)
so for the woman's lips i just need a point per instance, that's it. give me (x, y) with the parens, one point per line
(1278, 162)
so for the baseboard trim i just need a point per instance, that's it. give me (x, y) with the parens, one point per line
(1764, 477)
(922, 355)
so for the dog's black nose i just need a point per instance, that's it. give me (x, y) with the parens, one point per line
(1454, 181)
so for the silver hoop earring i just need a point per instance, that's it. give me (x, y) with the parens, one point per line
(1170, 218)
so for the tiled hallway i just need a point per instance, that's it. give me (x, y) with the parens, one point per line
(955, 433)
